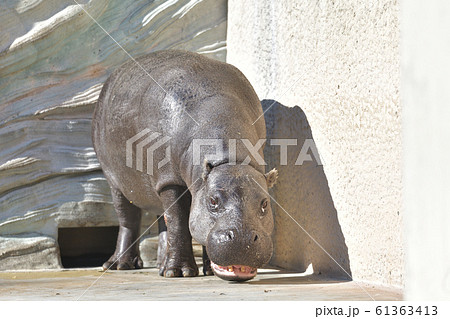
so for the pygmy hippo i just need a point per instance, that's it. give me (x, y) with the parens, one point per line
(169, 106)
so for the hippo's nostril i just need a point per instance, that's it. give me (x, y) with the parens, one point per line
(255, 238)
(224, 236)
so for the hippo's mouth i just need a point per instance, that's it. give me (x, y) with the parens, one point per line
(234, 272)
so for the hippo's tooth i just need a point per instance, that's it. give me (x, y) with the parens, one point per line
(230, 268)
(243, 269)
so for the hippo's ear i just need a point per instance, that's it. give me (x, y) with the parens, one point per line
(271, 177)
(207, 167)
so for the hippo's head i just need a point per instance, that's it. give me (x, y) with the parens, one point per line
(232, 217)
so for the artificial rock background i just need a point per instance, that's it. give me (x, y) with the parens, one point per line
(53, 61)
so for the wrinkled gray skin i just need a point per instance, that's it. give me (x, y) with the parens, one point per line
(223, 103)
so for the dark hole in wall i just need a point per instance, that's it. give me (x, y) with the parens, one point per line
(82, 247)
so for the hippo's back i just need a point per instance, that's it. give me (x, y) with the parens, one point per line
(178, 94)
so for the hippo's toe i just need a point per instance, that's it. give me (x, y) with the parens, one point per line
(123, 263)
(176, 272)
(207, 270)
(179, 272)
(189, 272)
(180, 269)
(109, 265)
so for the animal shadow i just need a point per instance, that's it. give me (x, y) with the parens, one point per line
(307, 229)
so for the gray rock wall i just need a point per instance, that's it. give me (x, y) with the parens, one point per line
(54, 59)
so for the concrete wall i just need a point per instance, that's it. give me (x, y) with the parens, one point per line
(339, 62)
(426, 95)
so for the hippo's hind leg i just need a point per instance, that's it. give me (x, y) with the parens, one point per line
(207, 270)
(179, 260)
(126, 255)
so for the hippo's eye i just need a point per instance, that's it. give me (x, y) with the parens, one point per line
(213, 203)
(264, 204)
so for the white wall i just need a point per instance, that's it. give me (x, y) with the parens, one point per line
(338, 61)
(426, 95)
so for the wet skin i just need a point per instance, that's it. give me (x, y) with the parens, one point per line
(223, 206)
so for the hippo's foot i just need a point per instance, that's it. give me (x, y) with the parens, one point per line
(181, 268)
(207, 270)
(123, 263)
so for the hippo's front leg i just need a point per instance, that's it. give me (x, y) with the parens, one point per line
(179, 260)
